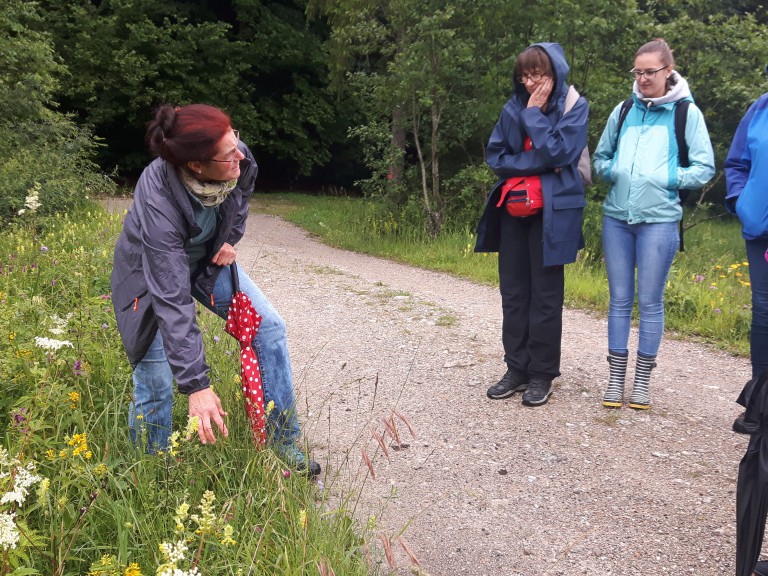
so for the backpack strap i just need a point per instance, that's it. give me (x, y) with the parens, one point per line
(681, 119)
(625, 106)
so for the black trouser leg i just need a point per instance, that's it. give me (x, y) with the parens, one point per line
(531, 298)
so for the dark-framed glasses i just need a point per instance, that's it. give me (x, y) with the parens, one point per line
(234, 157)
(523, 78)
(650, 74)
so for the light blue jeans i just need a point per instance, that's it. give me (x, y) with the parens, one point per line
(151, 408)
(648, 249)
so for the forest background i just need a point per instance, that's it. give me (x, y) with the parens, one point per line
(390, 99)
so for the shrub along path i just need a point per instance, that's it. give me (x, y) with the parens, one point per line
(492, 487)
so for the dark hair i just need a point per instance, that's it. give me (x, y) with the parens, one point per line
(186, 134)
(533, 58)
(658, 45)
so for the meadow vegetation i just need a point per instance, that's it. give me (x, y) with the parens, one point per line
(77, 498)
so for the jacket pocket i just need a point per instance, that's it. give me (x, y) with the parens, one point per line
(569, 202)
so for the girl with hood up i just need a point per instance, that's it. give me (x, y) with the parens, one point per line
(642, 210)
(534, 249)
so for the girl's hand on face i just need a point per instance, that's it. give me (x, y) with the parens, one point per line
(541, 94)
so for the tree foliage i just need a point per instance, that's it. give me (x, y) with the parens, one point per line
(43, 153)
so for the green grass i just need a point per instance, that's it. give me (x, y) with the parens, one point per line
(95, 505)
(707, 296)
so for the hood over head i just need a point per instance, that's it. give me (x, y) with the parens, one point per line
(560, 70)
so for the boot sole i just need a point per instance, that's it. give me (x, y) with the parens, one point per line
(612, 404)
(534, 403)
(508, 394)
(638, 406)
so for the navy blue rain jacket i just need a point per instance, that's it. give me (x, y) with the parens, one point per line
(558, 140)
(151, 278)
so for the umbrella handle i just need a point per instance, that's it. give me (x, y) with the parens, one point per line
(235, 279)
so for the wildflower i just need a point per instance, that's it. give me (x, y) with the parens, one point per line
(107, 565)
(192, 425)
(216, 338)
(11, 337)
(50, 454)
(9, 534)
(132, 570)
(20, 419)
(320, 485)
(372, 522)
(73, 398)
(227, 540)
(22, 480)
(104, 326)
(269, 408)
(80, 444)
(32, 201)
(44, 249)
(182, 511)
(206, 520)
(303, 519)
(717, 311)
(174, 443)
(77, 368)
(698, 278)
(42, 490)
(101, 470)
(51, 344)
(286, 473)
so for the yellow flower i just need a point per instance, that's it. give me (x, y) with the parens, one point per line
(303, 519)
(192, 425)
(745, 263)
(132, 569)
(100, 470)
(12, 335)
(270, 407)
(734, 266)
(50, 454)
(227, 540)
(73, 398)
(23, 353)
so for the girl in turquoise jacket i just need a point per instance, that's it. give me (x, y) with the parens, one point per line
(642, 210)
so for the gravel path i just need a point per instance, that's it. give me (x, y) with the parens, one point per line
(492, 487)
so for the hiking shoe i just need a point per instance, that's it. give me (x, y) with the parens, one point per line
(538, 392)
(513, 381)
(297, 460)
(741, 425)
(761, 569)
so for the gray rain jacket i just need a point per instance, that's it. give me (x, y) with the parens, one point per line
(151, 280)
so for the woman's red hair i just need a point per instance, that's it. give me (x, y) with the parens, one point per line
(186, 134)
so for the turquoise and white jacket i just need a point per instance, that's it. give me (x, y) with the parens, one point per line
(746, 171)
(642, 163)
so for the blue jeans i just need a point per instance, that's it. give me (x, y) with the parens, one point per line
(649, 249)
(758, 278)
(151, 408)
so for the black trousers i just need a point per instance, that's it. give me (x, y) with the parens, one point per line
(531, 299)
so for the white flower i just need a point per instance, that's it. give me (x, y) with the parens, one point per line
(174, 553)
(21, 212)
(59, 324)
(9, 534)
(32, 201)
(51, 344)
(24, 478)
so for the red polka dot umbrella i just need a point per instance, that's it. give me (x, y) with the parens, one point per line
(243, 323)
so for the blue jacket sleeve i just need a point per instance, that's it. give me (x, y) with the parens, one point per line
(602, 159)
(554, 146)
(701, 158)
(738, 163)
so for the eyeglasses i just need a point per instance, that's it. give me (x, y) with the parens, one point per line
(650, 74)
(234, 154)
(532, 77)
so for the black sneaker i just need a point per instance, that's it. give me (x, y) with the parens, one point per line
(513, 381)
(741, 425)
(538, 392)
